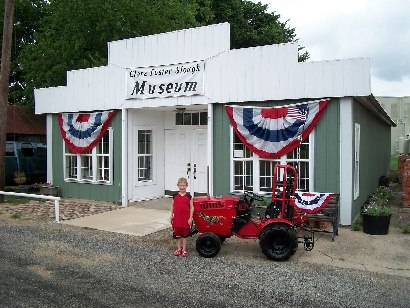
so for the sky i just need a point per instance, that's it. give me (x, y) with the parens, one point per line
(336, 29)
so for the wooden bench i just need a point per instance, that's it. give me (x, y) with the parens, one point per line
(330, 213)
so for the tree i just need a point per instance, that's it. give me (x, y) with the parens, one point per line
(27, 16)
(4, 84)
(73, 34)
(252, 25)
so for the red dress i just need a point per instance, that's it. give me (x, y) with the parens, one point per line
(181, 210)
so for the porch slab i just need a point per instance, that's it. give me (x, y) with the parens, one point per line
(132, 220)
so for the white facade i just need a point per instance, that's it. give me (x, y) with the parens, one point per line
(269, 72)
(261, 73)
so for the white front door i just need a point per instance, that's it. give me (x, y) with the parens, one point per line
(186, 156)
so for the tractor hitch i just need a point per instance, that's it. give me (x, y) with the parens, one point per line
(308, 241)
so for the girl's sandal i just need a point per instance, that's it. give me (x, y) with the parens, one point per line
(184, 253)
(178, 252)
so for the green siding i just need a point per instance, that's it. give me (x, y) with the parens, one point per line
(87, 190)
(374, 160)
(327, 150)
(327, 141)
(221, 160)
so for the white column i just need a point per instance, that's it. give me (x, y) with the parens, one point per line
(124, 157)
(210, 147)
(49, 141)
(346, 160)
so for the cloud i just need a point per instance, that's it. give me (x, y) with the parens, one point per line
(379, 29)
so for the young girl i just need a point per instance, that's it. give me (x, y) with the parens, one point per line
(181, 216)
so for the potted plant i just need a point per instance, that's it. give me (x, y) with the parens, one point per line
(20, 177)
(376, 213)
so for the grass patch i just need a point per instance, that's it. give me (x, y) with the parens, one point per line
(357, 224)
(405, 228)
(394, 162)
(17, 200)
(16, 215)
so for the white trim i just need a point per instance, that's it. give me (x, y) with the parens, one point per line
(231, 162)
(154, 155)
(124, 157)
(210, 147)
(49, 141)
(356, 167)
(312, 138)
(346, 160)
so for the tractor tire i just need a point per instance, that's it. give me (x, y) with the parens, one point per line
(278, 242)
(208, 245)
(222, 238)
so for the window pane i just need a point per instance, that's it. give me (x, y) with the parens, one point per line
(10, 149)
(41, 151)
(195, 118)
(102, 146)
(187, 118)
(203, 118)
(179, 120)
(71, 167)
(144, 142)
(243, 179)
(144, 168)
(27, 150)
(86, 167)
(265, 173)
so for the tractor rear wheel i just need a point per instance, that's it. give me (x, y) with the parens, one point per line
(208, 245)
(278, 242)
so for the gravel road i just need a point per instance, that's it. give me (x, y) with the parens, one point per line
(44, 264)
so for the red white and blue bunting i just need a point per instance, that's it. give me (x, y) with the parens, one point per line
(82, 131)
(272, 132)
(311, 202)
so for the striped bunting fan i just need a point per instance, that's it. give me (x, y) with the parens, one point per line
(272, 132)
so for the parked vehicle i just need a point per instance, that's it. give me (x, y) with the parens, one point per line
(27, 157)
(218, 218)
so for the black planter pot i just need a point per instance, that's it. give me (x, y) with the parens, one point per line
(376, 225)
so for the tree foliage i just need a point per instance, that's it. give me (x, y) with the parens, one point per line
(27, 18)
(252, 25)
(74, 34)
(60, 35)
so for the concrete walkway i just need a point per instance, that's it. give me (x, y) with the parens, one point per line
(139, 218)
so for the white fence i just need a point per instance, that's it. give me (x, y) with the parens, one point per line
(56, 200)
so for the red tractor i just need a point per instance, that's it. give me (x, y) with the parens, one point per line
(218, 218)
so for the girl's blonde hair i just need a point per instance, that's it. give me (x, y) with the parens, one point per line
(182, 180)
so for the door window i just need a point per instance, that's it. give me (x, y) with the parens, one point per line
(191, 118)
(144, 155)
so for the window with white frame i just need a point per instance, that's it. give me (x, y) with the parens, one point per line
(144, 155)
(251, 172)
(94, 166)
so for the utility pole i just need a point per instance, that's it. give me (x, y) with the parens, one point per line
(4, 85)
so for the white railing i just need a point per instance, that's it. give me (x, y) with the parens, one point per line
(56, 200)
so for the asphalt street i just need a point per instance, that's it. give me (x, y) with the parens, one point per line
(55, 265)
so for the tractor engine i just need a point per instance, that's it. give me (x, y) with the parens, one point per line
(214, 214)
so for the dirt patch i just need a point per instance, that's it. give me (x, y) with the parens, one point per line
(44, 210)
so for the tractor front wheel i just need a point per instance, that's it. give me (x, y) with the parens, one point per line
(208, 245)
(278, 242)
